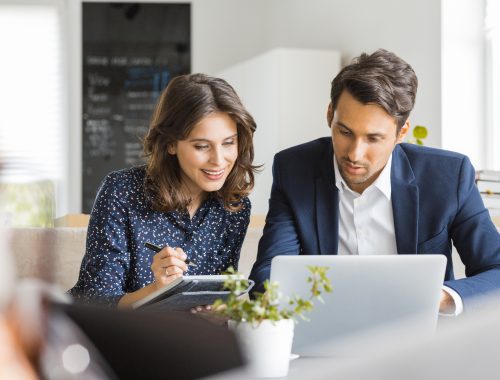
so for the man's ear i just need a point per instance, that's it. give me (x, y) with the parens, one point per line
(403, 131)
(329, 115)
(172, 149)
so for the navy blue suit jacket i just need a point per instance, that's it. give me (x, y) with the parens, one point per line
(434, 199)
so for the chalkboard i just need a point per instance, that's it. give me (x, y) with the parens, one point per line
(130, 51)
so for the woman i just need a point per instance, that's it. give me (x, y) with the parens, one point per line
(190, 197)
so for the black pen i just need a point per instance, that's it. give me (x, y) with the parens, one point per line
(158, 249)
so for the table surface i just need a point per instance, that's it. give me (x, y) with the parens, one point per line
(318, 367)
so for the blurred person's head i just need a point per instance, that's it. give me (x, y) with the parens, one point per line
(17, 353)
(7, 271)
(7, 267)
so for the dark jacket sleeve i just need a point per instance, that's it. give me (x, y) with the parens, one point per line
(476, 239)
(280, 234)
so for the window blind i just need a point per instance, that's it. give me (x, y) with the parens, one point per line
(31, 138)
(32, 91)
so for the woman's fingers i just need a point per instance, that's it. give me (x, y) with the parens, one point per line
(172, 261)
(165, 280)
(172, 252)
(173, 269)
(169, 256)
(168, 265)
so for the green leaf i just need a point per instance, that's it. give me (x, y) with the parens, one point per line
(268, 305)
(419, 132)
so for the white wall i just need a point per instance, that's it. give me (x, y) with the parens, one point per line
(287, 92)
(225, 32)
(410, 28)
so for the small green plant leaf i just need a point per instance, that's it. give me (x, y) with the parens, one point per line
(266, 305)
(419, 132)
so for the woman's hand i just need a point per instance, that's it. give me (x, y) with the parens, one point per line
(168, 264)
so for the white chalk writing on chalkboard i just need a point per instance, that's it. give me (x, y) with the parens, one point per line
(119, 61)
(96, 79)
(98, 98)
(140, 107)
(97, 110)
(133, 153)
(93, 60)
(141, 94)
(135, 127)
(141, 61)
(99, 137)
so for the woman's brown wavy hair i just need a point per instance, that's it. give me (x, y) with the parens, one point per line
(185, 102)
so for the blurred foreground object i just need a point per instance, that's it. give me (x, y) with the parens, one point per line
(158, 345)
(464, 348)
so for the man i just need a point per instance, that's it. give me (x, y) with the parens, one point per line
(362, 192)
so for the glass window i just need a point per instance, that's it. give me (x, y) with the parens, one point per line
(32, 135)
(492, 83)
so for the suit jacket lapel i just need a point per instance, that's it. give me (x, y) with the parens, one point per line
(404, 196)
(327, 210)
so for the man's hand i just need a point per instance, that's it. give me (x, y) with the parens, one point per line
(446, 305)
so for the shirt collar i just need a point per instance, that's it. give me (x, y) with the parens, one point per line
(383, 182)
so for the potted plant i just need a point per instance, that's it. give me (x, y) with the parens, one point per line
(264, 324)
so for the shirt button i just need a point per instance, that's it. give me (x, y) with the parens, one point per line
(189, 237)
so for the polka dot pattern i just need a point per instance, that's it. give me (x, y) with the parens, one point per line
(122, 220)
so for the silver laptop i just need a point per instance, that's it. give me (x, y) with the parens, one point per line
(369, 293)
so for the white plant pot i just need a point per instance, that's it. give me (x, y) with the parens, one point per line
(266, 346)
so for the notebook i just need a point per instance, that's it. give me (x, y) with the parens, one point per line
(368, 292)
(187, 292)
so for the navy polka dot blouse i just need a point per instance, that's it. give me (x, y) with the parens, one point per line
(122, 220)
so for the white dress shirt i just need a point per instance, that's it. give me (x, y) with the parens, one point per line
(366, 221)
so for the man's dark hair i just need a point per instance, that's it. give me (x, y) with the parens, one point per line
(380, 78)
